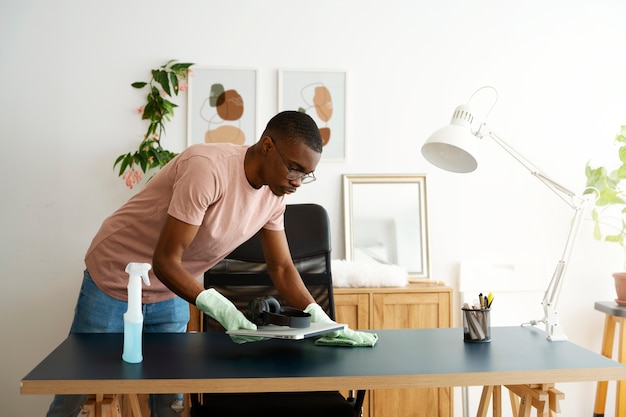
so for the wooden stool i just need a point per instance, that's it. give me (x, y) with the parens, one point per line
(614, 314)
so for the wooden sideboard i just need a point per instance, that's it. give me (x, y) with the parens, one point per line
(422, 304)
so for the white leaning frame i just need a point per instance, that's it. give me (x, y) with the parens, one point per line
(386, 221)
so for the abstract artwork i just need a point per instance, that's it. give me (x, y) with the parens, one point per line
(222, 106)
(322, 95)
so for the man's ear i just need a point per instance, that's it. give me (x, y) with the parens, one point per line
(266, 144)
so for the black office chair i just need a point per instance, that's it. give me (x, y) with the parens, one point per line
(242, 277)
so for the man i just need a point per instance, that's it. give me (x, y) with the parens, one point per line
(189, 216)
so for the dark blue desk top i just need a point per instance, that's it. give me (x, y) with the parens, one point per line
(211, 362)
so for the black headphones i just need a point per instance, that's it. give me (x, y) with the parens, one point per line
(264, 311)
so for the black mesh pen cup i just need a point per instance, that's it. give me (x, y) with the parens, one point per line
(476, 325)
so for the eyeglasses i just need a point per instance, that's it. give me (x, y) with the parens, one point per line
(294, 174)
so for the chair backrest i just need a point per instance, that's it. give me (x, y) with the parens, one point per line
(242, 275)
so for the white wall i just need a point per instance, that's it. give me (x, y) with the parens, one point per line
(67, 111)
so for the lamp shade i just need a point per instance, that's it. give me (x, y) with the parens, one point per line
(454, 147)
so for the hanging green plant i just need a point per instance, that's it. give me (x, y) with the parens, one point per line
(168, 80)
(608, 185)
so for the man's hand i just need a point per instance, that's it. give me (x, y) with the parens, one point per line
(346, 337)
(221, 309)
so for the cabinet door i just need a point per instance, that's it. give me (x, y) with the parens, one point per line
(353, 310)
(411, 310)
(407, 310)
(414, 402)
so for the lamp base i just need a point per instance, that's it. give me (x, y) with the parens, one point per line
(556, 338)
(555, 333)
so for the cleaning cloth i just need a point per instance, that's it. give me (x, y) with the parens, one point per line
(346, 337)
(365, 340)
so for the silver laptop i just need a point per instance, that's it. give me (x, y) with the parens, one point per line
(285, 332)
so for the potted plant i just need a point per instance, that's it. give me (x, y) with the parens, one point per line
(608, 186)
(167, 81)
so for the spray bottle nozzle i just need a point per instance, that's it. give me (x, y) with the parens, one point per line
(139, 269)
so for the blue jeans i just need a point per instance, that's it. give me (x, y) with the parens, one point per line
(97, 312)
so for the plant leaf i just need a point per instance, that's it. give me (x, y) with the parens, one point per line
(119, 159)
(126, 162)
(180, 66)
(162, 78)
(596, 232)
(174, 82)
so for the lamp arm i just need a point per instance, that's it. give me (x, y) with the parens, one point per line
(560, 190)
(551, 296)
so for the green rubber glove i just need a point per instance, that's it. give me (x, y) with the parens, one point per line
(215, 305)
(346, 337)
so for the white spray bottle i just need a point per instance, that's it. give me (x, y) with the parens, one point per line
(133, 318)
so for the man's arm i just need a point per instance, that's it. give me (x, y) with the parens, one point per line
(175, 238)
(288, 282)
(285, 276)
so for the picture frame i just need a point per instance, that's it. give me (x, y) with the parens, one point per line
(386, 221)
(222, 105)
(322, 95)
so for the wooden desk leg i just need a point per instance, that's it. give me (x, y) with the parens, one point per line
(531, 396)
(620, 401)
(555, 397)
(497, 401)
(489, 392)
(607, 350)
(514, 403)
(133, 402)
(541, 399)
(99, 399)
(101, 405)
(485, 397)
(89, 408)
(110, 407)
(526, 404)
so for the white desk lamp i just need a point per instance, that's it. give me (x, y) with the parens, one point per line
(454, 148)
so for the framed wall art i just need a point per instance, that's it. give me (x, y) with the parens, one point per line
(322, 95)
(222, 105)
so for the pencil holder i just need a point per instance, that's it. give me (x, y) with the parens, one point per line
(476, 325)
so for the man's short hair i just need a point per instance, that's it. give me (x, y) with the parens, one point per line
(293, 126)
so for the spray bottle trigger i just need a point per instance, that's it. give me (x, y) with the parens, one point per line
(145, 278)
(139, 269)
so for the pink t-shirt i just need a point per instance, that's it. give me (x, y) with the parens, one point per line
(204, 186)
